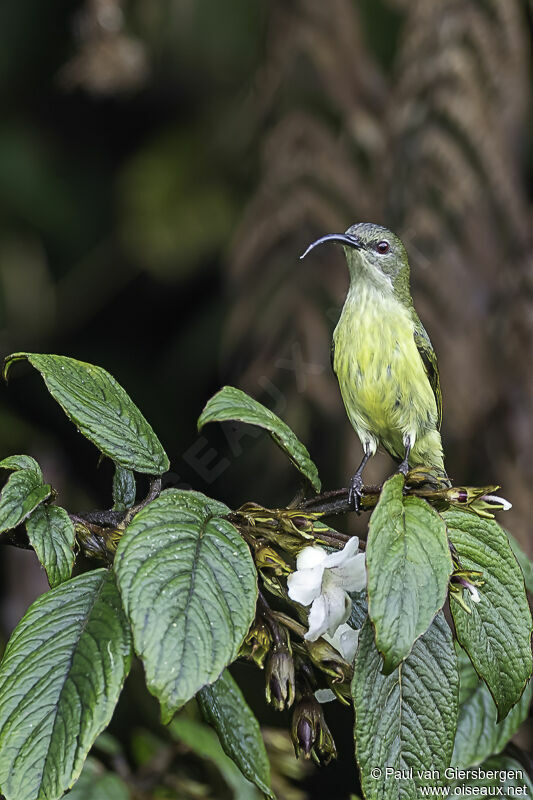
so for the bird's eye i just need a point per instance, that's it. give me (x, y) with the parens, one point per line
(383, 247)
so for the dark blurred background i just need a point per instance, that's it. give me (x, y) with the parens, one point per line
(163, 163)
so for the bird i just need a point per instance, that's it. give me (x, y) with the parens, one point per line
(383, 357)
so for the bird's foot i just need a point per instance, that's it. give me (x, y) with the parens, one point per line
(403, 468)
(355, 491)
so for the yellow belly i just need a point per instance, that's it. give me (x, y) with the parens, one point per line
(382, 379)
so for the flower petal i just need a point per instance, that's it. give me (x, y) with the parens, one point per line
(328, 611)
(350, 549)
(474, 593)
(345, 640)
(318, 619)
(498, 502)
(310, 557)
(305, 585)
(350, 576)
(325, 695)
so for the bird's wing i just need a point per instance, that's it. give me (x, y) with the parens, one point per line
(429, 359)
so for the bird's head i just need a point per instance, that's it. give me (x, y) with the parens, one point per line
(374, 254)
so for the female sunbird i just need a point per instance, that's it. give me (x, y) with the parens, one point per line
(383, 358)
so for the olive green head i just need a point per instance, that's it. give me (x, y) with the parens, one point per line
(375, 255)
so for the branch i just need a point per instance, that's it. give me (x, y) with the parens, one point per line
(336, 501)
(99, 522)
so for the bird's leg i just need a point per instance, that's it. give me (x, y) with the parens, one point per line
(404, 466)
(356, 484)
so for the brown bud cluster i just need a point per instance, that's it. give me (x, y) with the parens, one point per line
(329, 660)
(280, 681)
(309, 732)
(257, 643)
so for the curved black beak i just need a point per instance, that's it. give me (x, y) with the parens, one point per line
(343, 238)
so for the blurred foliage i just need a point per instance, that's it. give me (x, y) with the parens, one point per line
(174, 209)
(164, 162)
(183, 760)
(410, 114)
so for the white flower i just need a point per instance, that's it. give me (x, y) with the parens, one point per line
(322, 581)
(474, 594)
(470, 587)
(497, 502)
(487, 503)
(345, 640)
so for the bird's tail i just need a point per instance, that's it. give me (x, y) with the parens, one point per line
(427, 453)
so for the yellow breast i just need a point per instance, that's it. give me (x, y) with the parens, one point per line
(382, 379)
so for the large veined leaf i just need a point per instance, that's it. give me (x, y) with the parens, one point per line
(60, 679)
(22, 462)
(526, 565)
(52, 534)
(197, 502)
(496, 634)
(479, 734)
(124, 488)
(405, 720)
(498, 772)
(409, 564)
(189, 587)
(359, 610)
(203, 741)
(231, 404)
(224, 707)
(101, 410)
(23, 492)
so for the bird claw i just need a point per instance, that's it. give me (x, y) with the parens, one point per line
(355, 491)
(403, 469)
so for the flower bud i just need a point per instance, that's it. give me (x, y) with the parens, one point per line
(329, 660)
(479, 499)
(469, 580)
(487, 503)
(310, 734)
(280, 676)
(257, 643)
(97, 542)
(267, 558)
(425, 476)
(274, 585)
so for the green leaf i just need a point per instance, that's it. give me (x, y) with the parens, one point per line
(101, 410)
(406, 719)
(359, 611)
(124, 488)
(500, 771)
(409, 564)
(224, 707)
(204, 742)
(189, 587)
(52, 535)
(95, 783)
(23, 492)
(479, 735)
(197, 502)
(526, 565)
(496, 634)
(22, 462)
(230, 404)
(60, 679)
